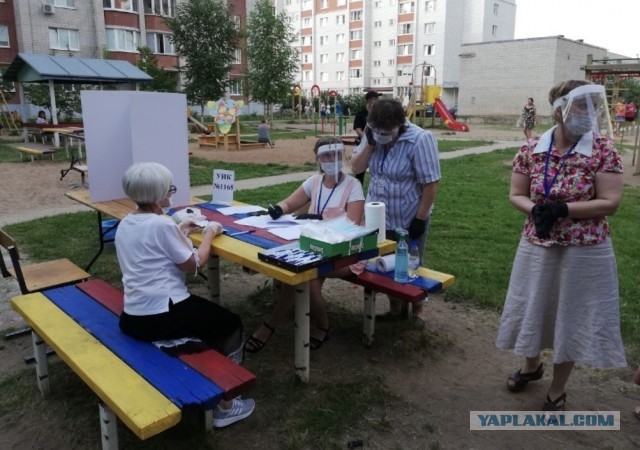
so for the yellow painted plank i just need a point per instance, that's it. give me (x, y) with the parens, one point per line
(444, 278)
(137, 404)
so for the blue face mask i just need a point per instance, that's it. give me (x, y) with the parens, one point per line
(578, 125)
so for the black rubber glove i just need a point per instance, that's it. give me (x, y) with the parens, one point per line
(558, 209)
(543, 219)
(368, 132)
(309, 216)
(275, 212)
(417, 228)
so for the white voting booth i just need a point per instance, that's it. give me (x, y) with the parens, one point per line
(126, 127)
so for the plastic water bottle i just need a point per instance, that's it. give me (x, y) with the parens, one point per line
(401, 274)
(414, 260)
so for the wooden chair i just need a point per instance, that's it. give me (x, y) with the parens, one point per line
(40, 276)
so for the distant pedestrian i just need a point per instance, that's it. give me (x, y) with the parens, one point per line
(630, 113)
(528, 118)
(263, 133)
(620, 111)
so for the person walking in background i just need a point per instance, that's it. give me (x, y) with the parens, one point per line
(529, 118)
(563, 292)
(331, 193)
(263, 133)
(620, 111)
(630, 114)
(360, 122)
(405, 173)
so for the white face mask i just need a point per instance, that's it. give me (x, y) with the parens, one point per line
(332, 168)
(577, 124)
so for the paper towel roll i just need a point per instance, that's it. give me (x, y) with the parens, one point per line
(375, 218)
(386, 263)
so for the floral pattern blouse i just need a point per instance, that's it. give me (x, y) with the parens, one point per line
(575, 182)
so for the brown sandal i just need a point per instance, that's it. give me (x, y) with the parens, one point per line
(520, 380)
(555, 405)
(254, 345)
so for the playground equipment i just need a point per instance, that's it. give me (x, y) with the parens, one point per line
(421, 95)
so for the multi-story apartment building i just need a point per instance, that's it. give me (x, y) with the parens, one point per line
(352, 45)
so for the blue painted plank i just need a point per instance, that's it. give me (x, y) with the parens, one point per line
(176, 380)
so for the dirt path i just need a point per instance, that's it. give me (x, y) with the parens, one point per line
(455, 368)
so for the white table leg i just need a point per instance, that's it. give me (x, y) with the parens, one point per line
(368, 327)
(213, 277)
(302, 331)
(42, 368)
(108, 427)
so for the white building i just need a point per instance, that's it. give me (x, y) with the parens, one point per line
(348, 46)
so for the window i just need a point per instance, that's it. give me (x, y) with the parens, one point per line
(122, 5)
(306, 58)
(72, 3)
(306, 4)
(494, 30)
(306, 40)
(63, 39)
(324, 76)
(377, 43)
(340, 57)
(122, 40)
(429, 28)
(405, 28)
(404, 70)
(324, 4)
(235, 87)
(430, 5)
(340, 76)
(158, 43)
(324, 22)
(324, 40)
(355, 15)
(392, 22)
(391, 62)
(355, 54)
(405, 50)
(236, 22)
(355, 73)
(377, 24)
(429, 49)
(237, 56)
(495, 9)
(376, 64)
(340, 38)
(392, 42)
(378, 4)
(307, 75)
(406, 8)
(324, 58)
(355, 35)
(375, 81)
(165, 8)
(4, 36)
(306, 22)
(341, 19)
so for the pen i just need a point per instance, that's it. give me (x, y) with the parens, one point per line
(238, 233)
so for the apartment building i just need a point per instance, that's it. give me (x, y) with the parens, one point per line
(353, 45)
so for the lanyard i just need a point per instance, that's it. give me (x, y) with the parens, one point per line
(547, 187)
(384, 158)
(320, 211)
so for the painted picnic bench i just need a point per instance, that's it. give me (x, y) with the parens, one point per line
(135, 381)
(33, 151)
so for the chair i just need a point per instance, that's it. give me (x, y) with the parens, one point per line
(40, 276)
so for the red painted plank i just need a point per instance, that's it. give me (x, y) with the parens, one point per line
(385, 285)
(229, 376)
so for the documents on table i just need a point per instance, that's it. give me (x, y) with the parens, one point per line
(246, 209)
(290, 233)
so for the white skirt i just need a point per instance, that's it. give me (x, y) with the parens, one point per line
(564, 298)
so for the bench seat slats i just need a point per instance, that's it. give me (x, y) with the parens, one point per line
(138, 404)
(232, 378)
(181, 384)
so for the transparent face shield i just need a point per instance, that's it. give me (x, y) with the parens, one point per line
(330, 158)
(585, 109)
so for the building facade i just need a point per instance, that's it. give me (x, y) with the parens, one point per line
(350, 46)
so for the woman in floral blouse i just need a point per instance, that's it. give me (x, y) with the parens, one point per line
(563, 292)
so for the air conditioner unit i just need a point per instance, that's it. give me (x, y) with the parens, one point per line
(48, 9)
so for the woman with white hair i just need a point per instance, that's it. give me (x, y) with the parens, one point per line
(154, 254)
(563, 292)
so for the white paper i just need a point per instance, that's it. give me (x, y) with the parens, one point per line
(240, 209)
(291, 233)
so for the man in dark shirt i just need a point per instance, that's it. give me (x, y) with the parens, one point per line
(360, 121)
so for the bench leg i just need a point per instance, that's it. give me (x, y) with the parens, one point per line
(302, 331)
(108, 427)
(42, 369)
(208, 419)
(368, 327)
(213, 277)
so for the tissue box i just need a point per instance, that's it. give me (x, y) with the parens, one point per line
(357, 245)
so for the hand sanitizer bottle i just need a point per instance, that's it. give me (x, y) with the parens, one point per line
(414, 260)
(401, 274)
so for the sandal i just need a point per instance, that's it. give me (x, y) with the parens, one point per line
(389, 317)
(554, 405)
(254, 345)
(520, 380)
(316, 343)
(636, 411)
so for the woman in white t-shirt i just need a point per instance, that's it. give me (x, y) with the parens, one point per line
(329, 194)
(154, 253)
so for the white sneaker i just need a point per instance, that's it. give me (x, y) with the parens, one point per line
(240, 409)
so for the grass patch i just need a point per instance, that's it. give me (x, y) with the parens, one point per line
(201, 170)
(449, 145)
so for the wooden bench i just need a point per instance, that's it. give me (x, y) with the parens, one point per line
(375, 283)
(211, 140)
(33, 152)
(146, 388)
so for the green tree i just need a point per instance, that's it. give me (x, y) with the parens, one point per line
(67, 97)
(273, 62)
(205, 35)
(163, 81)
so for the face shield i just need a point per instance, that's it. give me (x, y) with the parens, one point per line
(585, 109)
(330, 158)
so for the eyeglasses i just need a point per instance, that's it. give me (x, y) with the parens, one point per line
(172, 189)
(385, 133)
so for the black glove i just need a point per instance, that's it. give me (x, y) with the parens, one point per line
(309, 216)
(275, 211)
(558, 209)
(368, 132)
(543, 219)
(417, 228)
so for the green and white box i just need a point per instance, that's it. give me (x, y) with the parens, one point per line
(346, 248)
